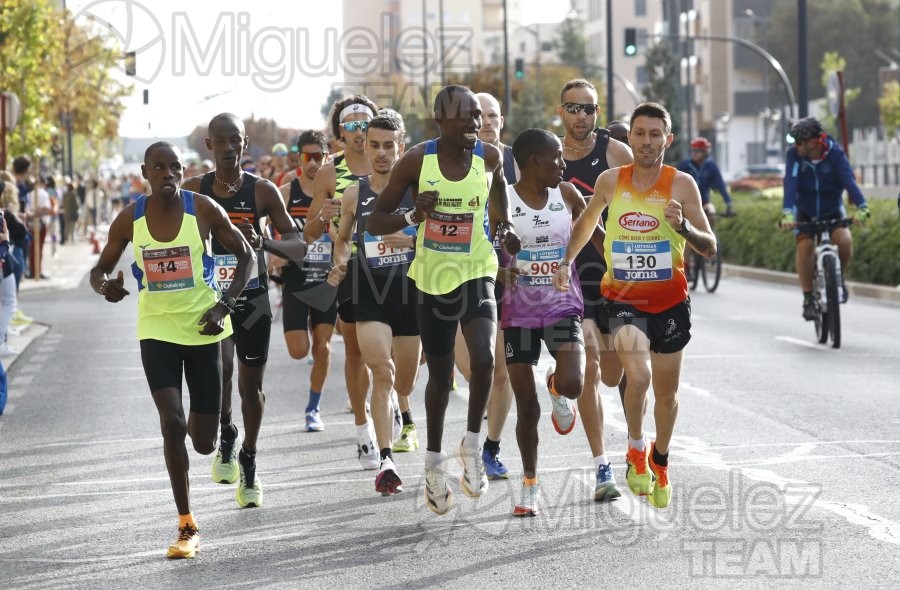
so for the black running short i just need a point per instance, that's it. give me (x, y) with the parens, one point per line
(202, 370)
(302, 308)
(440, 315)
(252, 324)
(669, 331)
(523, 345)
(390, 300)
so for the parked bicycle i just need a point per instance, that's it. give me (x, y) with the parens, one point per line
(827, 284)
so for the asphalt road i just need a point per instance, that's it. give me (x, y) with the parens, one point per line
(785, 462)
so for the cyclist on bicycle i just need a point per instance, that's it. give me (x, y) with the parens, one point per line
(706, 172)
(817, 172)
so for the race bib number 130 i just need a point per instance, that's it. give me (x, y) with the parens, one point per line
(640, 261)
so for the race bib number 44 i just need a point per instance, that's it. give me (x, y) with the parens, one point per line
(642, 261)
(168, 269)
(226, 265)
(449, 233)
(538, 266)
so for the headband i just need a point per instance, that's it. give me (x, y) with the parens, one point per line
(356, 108)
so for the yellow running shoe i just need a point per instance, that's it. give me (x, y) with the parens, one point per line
(407, 441)
(186, 544)
(637, 474)
(249, 490)
(225, 463)
(661, 494)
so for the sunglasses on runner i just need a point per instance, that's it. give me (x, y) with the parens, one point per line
(310, 156)
(573, 108)
(353, 126)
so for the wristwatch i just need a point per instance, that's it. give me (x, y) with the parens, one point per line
(409, 215)
(230, 303)
(686, 227)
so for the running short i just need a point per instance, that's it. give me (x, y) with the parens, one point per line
(298, 312)
(389, 300)
(440, 315)
(202, 363)
(669, 331)
(252, 324)
(523, 345)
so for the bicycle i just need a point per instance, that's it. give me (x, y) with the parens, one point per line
(827, 292)
(697, 266)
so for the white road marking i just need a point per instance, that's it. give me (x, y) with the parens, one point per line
(804, 343)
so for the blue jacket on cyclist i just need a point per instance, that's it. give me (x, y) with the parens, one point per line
(705, 171)
(813, 188)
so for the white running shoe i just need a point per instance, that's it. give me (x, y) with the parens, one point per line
(474, 481)
(387, 481)
(564, 412)
(528, 501)
(366, 452)
(438, 496)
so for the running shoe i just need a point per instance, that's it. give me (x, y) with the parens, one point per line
(809, 310)
(438, 496)
(225, 463)
(408, 441)
(249, 490)
(7, 350)
(366, 452)
(186, 543)
(564, 413)
(661, 495)
(474, 482)
(314, 422)
(20, 318)
(493, 466)
(638, 476)
(606, 488)
(387, 481)
(528, 501)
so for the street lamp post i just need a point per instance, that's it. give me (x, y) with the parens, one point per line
(687, 19)
(537, 59)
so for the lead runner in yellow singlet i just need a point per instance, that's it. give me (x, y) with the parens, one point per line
(654, 213)
(460, 200)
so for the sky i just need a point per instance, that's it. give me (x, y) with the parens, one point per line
(277, 61)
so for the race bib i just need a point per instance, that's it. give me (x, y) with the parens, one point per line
(642, 261)
(449, 233)
(168, 269)
(380, 255)
(319, 252)
(226, 265)
(538, 265)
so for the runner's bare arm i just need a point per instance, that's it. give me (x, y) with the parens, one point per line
(214, 217)
(120, 234)
(618, 154)
(573, 199)
(348, 221)
(405, 174)
(498, 202)
(321, 207)
(685, 204)
(192, 184)
(269, 203)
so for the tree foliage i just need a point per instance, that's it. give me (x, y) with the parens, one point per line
(56, 67)
(857, 28)
(663, 74)
(889, 102)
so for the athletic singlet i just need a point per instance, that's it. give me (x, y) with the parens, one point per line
(240, 206)
(377, 257)
(175, 280)
(452, 246)
(583, 174)
(298, 204)
(544, 233)
(509, 165)
(644, 254)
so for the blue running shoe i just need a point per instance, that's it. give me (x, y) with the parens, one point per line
(493, 466)
(606, 484)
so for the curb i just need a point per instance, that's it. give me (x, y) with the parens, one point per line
(880, 292)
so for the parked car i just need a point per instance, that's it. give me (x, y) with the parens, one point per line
(757, 177)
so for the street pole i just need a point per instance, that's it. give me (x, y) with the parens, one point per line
(2, 131)
(610, 94)
(425, 54)
(441, 42)
(803, 57)
(507, 90)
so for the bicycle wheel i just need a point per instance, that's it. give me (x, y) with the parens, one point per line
(696, 268)
(832, 303)
(712, 271)
(821, 319)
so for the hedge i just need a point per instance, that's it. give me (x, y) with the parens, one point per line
(752, 238)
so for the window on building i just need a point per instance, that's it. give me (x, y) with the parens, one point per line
(642, 78)
(640, 7)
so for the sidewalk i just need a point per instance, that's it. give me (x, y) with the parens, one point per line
(66, 268)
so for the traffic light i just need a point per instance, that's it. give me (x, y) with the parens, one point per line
(130, 63)
(520, 68)
(630, 42)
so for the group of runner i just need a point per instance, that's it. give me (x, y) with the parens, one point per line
(420, 253)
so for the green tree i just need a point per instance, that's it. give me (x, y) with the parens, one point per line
(889, 102)
(833, 62)
(573, 45)
(855, 29)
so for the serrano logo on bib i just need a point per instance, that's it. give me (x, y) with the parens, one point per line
(639, 222)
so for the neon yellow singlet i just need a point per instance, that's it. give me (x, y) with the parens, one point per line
(644, 254)
(175, 280)
(452, 245)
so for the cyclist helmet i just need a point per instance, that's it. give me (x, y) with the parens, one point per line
(806, 128)
(700, 143)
